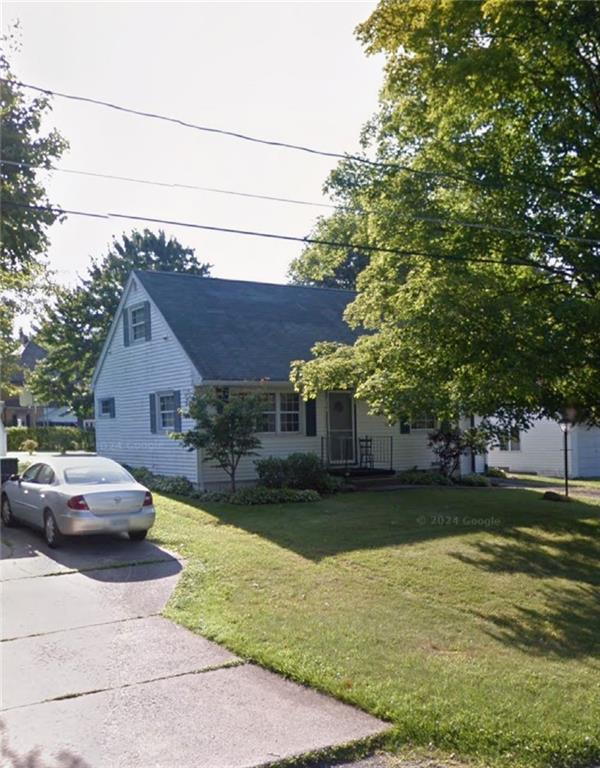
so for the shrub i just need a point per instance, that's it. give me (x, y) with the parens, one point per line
(52, 438)
(272, 472)
(301, 471)
(422, 477)
(262, 495)
(178, 485)
(211, 496)
(29, 445)
(495, 472)
(477, 481)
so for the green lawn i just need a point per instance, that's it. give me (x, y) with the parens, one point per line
(469, 618)
(591, 482)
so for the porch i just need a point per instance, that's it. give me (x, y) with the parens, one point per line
(358, 455)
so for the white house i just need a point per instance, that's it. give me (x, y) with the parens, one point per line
(175, 332)
(541, 450)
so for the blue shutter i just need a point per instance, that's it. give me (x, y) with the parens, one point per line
(125, 316)
(147, 321)
(310, 418)
(177, 425)
(152, 413)
(112, 407)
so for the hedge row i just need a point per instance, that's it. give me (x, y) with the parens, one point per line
(52, 438)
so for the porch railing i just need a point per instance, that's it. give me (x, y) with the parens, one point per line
(361, 452)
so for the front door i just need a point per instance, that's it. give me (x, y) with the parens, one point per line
(341, 428)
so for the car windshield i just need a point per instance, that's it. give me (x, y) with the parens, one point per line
(96, 474)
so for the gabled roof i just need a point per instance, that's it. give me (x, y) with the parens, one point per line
(234, 330)
(30, 355)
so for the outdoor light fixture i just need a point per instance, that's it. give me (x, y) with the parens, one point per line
(566, 424)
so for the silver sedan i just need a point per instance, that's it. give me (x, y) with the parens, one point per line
(75, 495)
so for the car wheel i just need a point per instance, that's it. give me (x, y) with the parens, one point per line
(138, 535)
(52, 534)
(7, 516)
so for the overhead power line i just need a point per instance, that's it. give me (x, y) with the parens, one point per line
(425, 173)
(170, 185)
(305, 240)
(481, 225)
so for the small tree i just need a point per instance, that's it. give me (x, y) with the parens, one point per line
(226, 431)
(449, 443)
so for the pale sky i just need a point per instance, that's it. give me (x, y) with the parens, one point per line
(285, 71)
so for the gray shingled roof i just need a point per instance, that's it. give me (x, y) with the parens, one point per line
(235, 330)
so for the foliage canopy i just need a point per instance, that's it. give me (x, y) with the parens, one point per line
(487, 142)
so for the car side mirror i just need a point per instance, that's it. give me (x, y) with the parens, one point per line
(15, 478)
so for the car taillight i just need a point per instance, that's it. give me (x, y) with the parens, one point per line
(148, 502)
(77, 502)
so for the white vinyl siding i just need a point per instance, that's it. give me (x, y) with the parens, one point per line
(540, 450)
(408, 450)
(130, 374)
(587, 450)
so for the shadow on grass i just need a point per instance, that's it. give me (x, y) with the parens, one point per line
(500, 531)
(565, 554)
(568, 626)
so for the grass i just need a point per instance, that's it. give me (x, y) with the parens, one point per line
(468, 618)
(575, 483)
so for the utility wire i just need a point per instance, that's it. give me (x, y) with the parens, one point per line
(273, 198)
(286, 145)
(306, 240)
(173, 185)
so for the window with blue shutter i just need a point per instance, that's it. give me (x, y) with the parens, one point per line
(106, 408)
(165, 411)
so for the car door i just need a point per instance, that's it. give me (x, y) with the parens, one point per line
(44, 481)
(19, 493)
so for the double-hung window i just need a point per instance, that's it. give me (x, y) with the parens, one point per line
(510, 441)
(166, 409)
(106, 408)
(281, 413)
(289, 412)
(138, 323)
(423, 422)
(268, 419)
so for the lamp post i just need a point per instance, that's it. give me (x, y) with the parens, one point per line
(566, 424)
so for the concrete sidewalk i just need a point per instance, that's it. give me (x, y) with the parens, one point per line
(94, 677)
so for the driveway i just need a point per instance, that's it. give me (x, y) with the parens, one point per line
(94, 677)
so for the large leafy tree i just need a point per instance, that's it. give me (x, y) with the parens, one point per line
(320, 265)
(25, 207)
(78, 321)
(485, 193)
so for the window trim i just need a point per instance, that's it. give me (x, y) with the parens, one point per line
(159, 412)
(420, 419)
(287, 411)
(278, 432)
(111, 407)
(507, 445)
(132, 326)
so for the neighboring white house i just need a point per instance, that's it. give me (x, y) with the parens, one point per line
(175, 332)
(541, 450)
